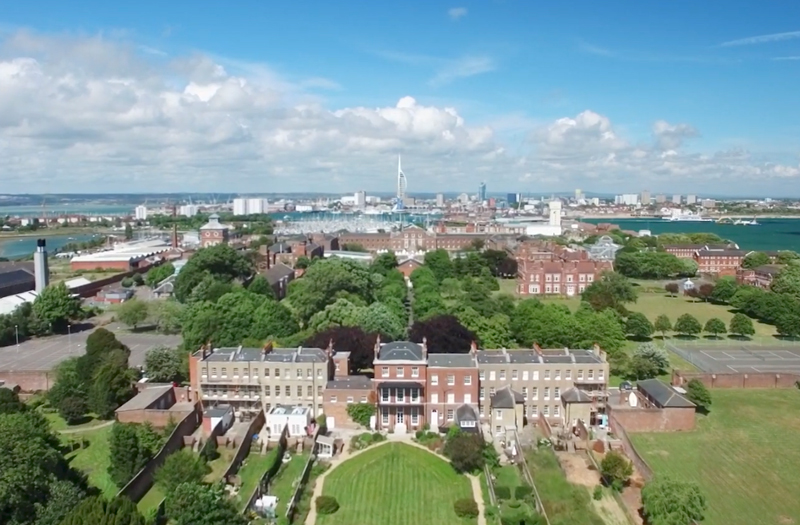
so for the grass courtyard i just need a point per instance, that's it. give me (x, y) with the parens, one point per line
(395, 484)
(93, 460)
(743, 455)
(253, 469)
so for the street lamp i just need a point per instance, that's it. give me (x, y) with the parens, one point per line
(16, 333)
(69, 332)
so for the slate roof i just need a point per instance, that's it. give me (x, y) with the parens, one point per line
(531, 356)
(280, 247)
(506, 398)
(276, 355)
(145, 398)
(278, 272)
(466, 413)
(451, 361)
(15, 277)
(575, 395)
(350, 383)
(217, 411)
(400, 351)
(662, 394)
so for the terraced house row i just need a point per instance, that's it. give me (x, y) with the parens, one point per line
(411, 386)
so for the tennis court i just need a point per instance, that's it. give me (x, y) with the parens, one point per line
(740, 357)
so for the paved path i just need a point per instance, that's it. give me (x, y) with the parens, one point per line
(86, 429)
(311, 519)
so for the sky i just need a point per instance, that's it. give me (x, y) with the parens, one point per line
(531, 97)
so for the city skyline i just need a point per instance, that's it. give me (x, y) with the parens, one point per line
(146, 98)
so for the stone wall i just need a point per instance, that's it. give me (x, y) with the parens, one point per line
(654, 419)
(755, 380)
(30, 380)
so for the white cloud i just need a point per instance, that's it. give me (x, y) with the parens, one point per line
(762, 39)
(467, 66)
(456, 13)
(97, 115)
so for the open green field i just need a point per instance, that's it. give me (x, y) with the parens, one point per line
(395, 484)
(744, 456)
(94, 459)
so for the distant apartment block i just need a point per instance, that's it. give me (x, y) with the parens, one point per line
(410, 239)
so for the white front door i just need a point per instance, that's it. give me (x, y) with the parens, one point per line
(434, 422)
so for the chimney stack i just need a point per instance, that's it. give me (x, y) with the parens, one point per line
(377, 346)
(41, 270)
(330, 350)
(267, 348)
(473, 348)
(537, 348)
(425, 348)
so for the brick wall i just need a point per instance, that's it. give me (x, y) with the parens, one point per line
(756, 380)
(30, 380)
(157, 418)
(654, 419)
(244, 445)
(91, 289)
(338, 410)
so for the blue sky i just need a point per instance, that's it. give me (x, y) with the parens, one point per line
(722, 77)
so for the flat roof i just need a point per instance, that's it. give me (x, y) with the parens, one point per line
(126, 251)
(145, 398)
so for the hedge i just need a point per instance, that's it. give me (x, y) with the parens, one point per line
(466, 508)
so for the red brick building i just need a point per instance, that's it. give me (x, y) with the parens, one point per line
(719, 262)
(407, 266)
(551, 269)
(411, 239)
(687, 251)
(760, 277)
(213, 232)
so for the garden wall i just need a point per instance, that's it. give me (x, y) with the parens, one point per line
(143, 481)
(243, 448)
(263, 484)
(91, 289)
(627, 445)
(30, 380)
(637, 419)
(734, 380)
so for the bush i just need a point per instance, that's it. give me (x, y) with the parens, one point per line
(326, 505)
(502, 492)
(466, 508)
(597, 494)
(73, 409)
(127, 282)
(522, 491)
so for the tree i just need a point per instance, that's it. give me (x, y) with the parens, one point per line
(648, 264)
(9, 402)
(688, 325)
(259, 285)
(132, 312)
(302, 262)
(200, 325)
(615, 470)
(663, 325)
(755, 259)
(68, 382)
(53, 308)
(324, 280)
(168, 316)
(642, 368)
(378, 318)
(156, 274)
(787, 324)
(715, 327)
(550, 326)
(639, 326)
(787, 257)
(465, 451)
(612, 290)
(163, 365)
(273, 319)
(138, 280)
(655, 354)
(198, 504)
(669, 502)
(73, 409)
(220, 262)
(604, 328)
(787, 281)
(443, 334)
(326, 505)
(183, 466)
(63, 497)
(671, 288)
(384, 263)
(126, 454)
(698, 394)
(705, 291)
(128, 231)
(724, 289)
(440, 264)
(111, 385)
(741, 325)
(99, 344)
(97, 509)
(353, 339)
(361, 413)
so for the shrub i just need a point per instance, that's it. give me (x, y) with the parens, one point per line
(466, 508)
(73, 409)
(127, 282)
(522, 491)
(597, 494)
(502, 492)
(361, 413)
(326, 505)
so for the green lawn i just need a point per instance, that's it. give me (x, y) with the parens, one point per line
(150, 501)
(94, 459)
(395, 484)
(220, 465)
(57, 422)
(744, 455)
(254, 467)
(563, 502)
(283, 485)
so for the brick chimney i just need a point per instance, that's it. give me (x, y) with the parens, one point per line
(266, 349)
(424, 348)
(537, 348)
(330, 351)
(377, 346)
(473, 348)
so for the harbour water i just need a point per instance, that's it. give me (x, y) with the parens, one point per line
(770, 234)
(16, 247)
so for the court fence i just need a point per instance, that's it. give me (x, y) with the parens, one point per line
(738, 379)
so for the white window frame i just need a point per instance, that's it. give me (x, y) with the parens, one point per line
(384, 371)
(435, 379)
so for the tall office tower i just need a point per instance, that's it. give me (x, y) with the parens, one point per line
(255, 206)
(578, 194)
(402, 184)
(439, 200)
(676, 199)
(240, 206)
(512, 198)
(481, 192)
(661, 199)
(140, 213)
(360, 198)
(645, 198)
(691, 199)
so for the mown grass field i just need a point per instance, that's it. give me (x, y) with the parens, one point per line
(94, 459)
(744, 456)
(283, 485)
(253, 468)
(395, 484)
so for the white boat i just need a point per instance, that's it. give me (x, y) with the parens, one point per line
(686, 216)
(740, 222)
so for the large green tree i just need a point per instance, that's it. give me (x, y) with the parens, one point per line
(198, 504)
(158, 273)
(755, 259)
(639, 326)
(662, 325)
(9, 402)
(551, 326)
(698, 394)
(133, 312)
(168, 316)
(688, 325)
(439, 262)
(272, 319)
(183, 466)
(741, 325)
(53, 309)
(611, 290)
(164, 365)
(788, 281)
(384, 263)
(615, 469)
(62, 498)
(68, 382)
(715, 327)
(324, 280)
(259, 285)
(126, 453)
(221, 262)
(724, 289)
(98, 510)
(670, 502)
(655, 354)
(492, 332)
